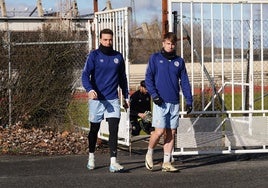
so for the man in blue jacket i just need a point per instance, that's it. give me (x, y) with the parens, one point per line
(165, 75)
(103, 72)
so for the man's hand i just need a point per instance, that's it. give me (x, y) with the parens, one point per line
(142, 115)
(189, 108)
(92, 94)
(158, 101)
(126, 104)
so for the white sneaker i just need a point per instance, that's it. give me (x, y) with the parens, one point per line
(149, 162)
(116, 167)
(167, 167)
(91, 163)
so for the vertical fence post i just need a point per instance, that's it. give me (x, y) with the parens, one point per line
(9, 80)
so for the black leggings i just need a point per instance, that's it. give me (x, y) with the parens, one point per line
(92, 136)
(113, 135)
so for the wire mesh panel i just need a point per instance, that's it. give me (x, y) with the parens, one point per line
(225, 45)
(200, 132)
(240, 132)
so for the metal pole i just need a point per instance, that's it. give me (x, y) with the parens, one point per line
(164, 17)
(95, 4)
(175, 13)
(247, 81)
(9, 81)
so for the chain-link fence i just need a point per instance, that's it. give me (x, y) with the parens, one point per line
(226, 60)
(225, 57)
(206, 43)
(39, 72)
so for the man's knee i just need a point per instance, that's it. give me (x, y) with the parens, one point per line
(159, 132)
(113, 125)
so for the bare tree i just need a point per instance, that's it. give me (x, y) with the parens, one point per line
(42, 77)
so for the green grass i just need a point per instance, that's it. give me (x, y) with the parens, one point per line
(238, 101)
(78, 109)
(78, 113)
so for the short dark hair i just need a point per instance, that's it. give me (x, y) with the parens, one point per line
(142, 84)
(106, 31)
(171, 36)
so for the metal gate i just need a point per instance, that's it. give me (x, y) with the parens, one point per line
(118, 21)
(225, 46)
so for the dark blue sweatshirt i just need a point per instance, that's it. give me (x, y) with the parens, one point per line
(104, 73)
(165, 77)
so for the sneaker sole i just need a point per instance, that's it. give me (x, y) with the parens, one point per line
(90, 167)
(148, 166)
(168, 170)
(116, 171)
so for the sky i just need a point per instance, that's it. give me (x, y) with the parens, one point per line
(145, 10)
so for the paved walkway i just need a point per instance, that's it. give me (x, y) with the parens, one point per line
(196, 171)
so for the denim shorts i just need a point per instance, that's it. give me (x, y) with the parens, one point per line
(100, 109)
(166, 116)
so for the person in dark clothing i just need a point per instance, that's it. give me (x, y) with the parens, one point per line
(140, 111)
(103, 72)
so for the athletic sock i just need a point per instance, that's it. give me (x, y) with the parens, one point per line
(91, 156)
(167, 157)
(150, 151)
(113, 160)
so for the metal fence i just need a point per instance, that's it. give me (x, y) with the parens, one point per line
(39, 47)
(224, 44)
(119, 21)
(26, 54)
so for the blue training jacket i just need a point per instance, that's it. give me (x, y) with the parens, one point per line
(165, 77)
(104, 73)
